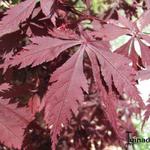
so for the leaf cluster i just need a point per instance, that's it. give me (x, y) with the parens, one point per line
(57, 68)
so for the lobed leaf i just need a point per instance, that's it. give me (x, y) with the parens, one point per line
(42, 49)
(13, 122)
(15, 16)
(64, 94)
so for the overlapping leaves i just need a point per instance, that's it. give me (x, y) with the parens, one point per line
(113, 73)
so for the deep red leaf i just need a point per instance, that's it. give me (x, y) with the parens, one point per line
(129, 51)
(13, 122)
(107, 100)
(4, 87)
(113, 30)
(42, 49)
(145, 53)
(63, 96)
(56, 28)
(15, 16)
(116, 70)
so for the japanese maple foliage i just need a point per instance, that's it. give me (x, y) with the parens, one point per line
(53, 65)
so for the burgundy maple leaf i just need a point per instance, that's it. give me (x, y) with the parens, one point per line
(65, 93)
(37, 35)
(129, 49)
(120, 74)
(15, 16)
(13, 122)
(42, 49)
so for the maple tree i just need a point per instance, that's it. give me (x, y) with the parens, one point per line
(56, 71)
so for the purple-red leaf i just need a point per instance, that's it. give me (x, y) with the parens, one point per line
(63, 96)
(46, 6)
(42, 49)
(129, 51)
(107, 100)
(116, 70)
(113, 30)
(13, 122)
(15, 16)
(143, 74)
(4, 87)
